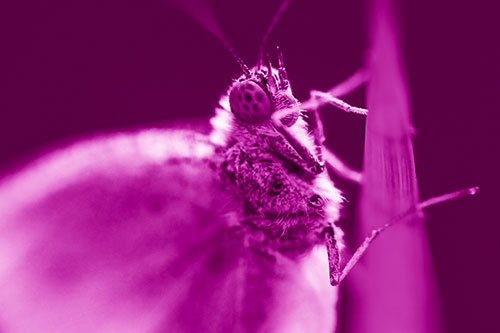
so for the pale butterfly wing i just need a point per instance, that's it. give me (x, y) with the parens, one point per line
(132, 233)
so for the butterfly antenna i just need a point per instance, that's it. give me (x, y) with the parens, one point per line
(202, 13)
(270, 28)
(243, 66)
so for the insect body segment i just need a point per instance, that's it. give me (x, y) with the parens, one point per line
(271, 165)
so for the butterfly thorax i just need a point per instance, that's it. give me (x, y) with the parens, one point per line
(267, 176)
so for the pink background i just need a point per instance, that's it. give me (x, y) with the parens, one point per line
(70, 69)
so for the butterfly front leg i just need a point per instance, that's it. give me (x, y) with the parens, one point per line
(318, 99)
(333, 256)
(286, 150)
(336, 163)
(315, 160)
(311, 160)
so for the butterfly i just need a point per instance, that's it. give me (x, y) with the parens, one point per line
(173, 230)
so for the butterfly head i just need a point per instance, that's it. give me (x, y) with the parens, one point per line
(260, 92)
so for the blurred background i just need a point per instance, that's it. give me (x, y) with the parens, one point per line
(72, 69)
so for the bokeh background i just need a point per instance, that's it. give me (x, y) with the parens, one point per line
(72, 69)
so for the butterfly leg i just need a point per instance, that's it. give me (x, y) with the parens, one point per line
(287, 113)
(324, 153)
(286, 150)
(315, 160)
(340, 167)
(327, 98)
(281, 119)
(339, 274)
(333, 256)
(292, 149)
(332, 96)
(352, 83)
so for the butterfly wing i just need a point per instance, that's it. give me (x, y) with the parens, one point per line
(134, 233)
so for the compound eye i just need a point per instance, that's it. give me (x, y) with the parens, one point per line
(249, 102)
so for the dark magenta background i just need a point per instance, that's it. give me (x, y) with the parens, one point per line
(70, 69)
